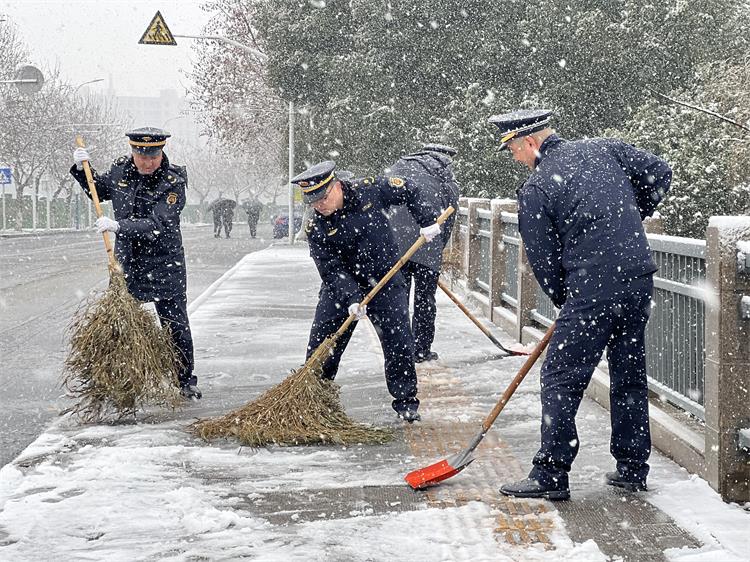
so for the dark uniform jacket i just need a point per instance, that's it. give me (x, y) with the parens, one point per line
(433, 176)
(580, 215)
(148, 243)
(354, 248)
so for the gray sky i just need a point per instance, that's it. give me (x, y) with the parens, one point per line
(89, 39)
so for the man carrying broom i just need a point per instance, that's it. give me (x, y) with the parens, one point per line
(148, 195)
(353, 248)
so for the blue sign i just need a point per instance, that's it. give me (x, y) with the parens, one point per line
(6, 176)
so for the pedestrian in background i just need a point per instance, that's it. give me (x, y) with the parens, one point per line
(148, 195)
(215, 209)
(431, 171)
(579, 214)
(227, 215)
(252, 208)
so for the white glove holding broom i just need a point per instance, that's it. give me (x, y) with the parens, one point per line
(429, 232)
(358, 311)
(106, 224)
(79, 155)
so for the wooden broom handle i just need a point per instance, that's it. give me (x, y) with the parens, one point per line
(97, 206)
(399, 264)
(490, 419)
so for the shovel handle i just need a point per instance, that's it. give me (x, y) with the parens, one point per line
(399, 264)
(538, 350)
(476, 320)
(97, 206)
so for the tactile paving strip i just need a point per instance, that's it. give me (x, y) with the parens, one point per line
(519, 522)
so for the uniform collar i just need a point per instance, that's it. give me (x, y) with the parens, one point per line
(549, 143)
(351, 197)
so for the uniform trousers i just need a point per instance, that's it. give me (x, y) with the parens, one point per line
(172, 312)
(584, 328)
(391, 321)
(425, 282)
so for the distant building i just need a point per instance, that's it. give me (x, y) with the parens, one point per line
(167, 111)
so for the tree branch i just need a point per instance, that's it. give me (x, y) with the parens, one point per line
(697, 108)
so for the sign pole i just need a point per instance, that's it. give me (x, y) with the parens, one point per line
(4, 224)
(291, 172)
(48, 184)
(34, 197)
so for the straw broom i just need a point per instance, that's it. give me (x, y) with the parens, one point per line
(120, 360)
(304, 409)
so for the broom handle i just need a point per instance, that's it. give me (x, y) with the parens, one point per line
(399, 264)
(538, 350)
(97, 206)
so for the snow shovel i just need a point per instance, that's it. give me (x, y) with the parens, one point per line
(435, 473)
(476, 321)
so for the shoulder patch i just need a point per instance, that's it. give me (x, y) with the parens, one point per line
(176, 173)
(396, 182)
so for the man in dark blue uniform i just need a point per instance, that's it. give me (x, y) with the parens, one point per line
(431, 171)
(148, 195)
(579, 214)
(353, 248)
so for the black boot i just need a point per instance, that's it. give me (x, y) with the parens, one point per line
(190, 392)
(631, 485)
(407, 410)
(428, 356)
(530, 488)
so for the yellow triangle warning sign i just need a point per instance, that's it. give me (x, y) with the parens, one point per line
(158, 33)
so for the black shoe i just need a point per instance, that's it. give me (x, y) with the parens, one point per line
(407, 410)
(422, 357)
(409, 416)
(190, 392)
(530, 488)
(619, 481)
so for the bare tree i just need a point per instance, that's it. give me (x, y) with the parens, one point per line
(237, 108)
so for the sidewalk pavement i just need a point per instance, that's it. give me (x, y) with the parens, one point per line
(151, 491)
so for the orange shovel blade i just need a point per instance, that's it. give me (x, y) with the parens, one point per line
(434, 474)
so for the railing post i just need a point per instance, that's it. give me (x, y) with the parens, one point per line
(497, 251)
(653, 225)
(526, 293)
(460, 238)
(727, 396)
(472, 250)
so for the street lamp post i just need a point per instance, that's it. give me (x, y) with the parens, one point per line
(88, 82)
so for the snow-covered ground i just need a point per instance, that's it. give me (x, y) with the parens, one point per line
(152, 491)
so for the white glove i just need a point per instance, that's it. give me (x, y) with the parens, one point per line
(79, 155)
(429, 232)
(106, 224)
(358, 311)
